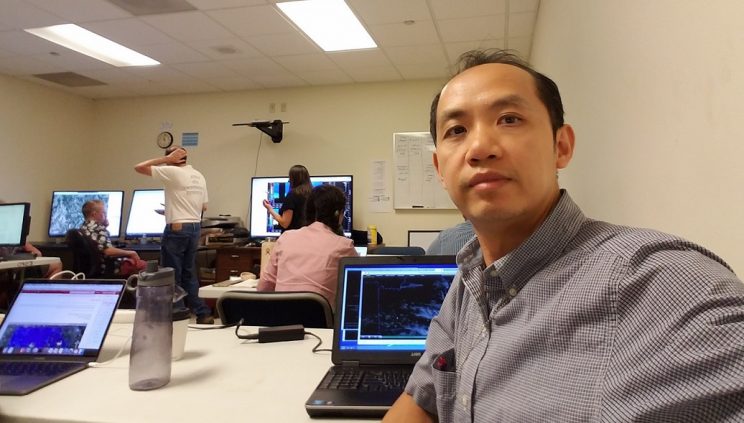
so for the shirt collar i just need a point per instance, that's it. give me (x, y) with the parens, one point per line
(543, 246)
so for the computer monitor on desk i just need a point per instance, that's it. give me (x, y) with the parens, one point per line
(145, 215)
(67, 210)
(276, 188)
(15, 220)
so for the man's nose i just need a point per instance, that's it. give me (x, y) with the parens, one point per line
(484, 144)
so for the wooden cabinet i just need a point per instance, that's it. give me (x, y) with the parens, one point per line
(231, 261)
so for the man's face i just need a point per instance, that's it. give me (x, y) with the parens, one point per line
(495, 152)
(99, 215)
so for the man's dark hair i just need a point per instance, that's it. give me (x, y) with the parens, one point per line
(299, 180)
(173, 148)
(325, 204)
(547, 90)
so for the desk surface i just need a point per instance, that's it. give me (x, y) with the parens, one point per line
(220, 378)
(19, 264)
(214, 292)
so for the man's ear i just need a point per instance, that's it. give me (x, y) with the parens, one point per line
(564, 146)
(439, 173)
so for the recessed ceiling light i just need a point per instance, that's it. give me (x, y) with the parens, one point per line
(93, 45)
(330, 23)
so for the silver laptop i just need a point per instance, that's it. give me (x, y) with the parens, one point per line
(54, 329)
(384, 307)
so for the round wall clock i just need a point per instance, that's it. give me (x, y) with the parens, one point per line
(165, 139)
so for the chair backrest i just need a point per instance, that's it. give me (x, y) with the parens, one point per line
(86, 257)
(275, 309)
(398, 251)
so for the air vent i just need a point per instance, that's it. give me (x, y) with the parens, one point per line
(153, 7)
(225, 49)
(69, 79)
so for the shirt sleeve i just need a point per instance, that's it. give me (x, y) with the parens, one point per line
(267, 281)
(679, 353)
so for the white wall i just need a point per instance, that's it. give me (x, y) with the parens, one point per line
(332, 130)
(44, 138)
(654, 91)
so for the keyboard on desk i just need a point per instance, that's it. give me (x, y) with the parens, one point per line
(366, 378)
(35, 368)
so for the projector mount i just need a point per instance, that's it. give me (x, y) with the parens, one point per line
(271, 128)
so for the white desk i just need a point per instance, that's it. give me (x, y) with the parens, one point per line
(215, 292)
(22, 264)
(220, 378)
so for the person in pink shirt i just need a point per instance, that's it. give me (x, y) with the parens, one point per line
(306, 259)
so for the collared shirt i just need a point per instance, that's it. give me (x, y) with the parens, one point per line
(306, 259)
(100, 235)
(451, 240)
(185, 192)
(587, 321)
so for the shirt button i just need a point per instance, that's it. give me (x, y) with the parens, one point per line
(464, 400)
(513, 292)
(494, 273)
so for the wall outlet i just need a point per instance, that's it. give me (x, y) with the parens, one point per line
(284, 107)
(272, 107)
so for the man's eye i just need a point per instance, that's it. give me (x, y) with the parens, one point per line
(509, 120)
(455, 130)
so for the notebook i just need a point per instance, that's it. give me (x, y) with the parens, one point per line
(384, 307)
(54, 329)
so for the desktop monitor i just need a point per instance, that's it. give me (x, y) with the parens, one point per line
(275, 188)
(15, 221)
(145, 215)
(67, 210)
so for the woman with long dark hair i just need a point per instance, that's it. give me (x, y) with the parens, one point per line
(292, 213)
(307, 259)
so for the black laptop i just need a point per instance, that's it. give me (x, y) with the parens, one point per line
(384, 307)
(54, 329)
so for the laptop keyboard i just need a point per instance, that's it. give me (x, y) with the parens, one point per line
(18, 368)
(362, 379)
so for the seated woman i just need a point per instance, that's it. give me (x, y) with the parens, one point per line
(307, 259)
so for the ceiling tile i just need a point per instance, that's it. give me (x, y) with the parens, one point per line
(72, 60)
(283, 44)
(79, 11)
(327, 77)
(522, 44)
(361, 58)
(232, 84)
(19, 14)
(224, 4)
(400, 34)
(374, 74)
(23, 43)
(419, 72)
(156, 73)
(306, 62)
(523, 6)
(174, 52)
(27, 65)
(253, 67)
(448, 9)
(252, 21)
(279, 79)
(472, 29)
(225, 49)
(131, 32)
(181, 26)
(428, 55)
(521, 24)
(389, 11)
(206, 70)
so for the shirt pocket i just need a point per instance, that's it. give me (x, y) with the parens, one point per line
(446, 378)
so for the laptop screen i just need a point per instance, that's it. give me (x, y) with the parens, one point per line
(64, 318)
(386, 304)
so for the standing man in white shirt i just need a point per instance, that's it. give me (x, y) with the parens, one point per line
(185, 200)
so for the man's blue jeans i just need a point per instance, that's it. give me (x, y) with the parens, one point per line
(178, 250)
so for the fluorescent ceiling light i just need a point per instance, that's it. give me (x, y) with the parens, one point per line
(330, 23)
(93, 45)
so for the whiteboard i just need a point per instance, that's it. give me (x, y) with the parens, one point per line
(417, 185)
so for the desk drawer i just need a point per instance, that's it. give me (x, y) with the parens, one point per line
(233, 261)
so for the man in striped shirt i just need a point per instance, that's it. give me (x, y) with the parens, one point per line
(554, 316)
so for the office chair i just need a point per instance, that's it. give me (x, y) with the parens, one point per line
(275, 309)
(397, 251)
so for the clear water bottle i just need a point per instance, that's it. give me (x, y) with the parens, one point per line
(152, 336)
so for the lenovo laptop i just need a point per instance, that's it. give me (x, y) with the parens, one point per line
(384, 307)
(53, 329)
